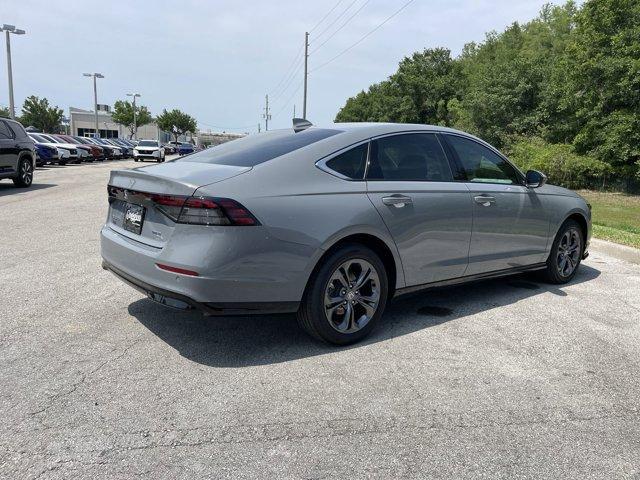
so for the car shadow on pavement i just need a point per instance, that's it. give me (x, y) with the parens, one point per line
(248, 341)
(10, 189)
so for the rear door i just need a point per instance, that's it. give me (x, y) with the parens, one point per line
(410, 183)
(8, 149)
(510, 223)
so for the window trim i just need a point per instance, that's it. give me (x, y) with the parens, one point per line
(458, 162)
(322, 163)
(435, 133)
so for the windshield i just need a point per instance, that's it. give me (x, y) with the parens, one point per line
(255, 149)
(38, 138)
(51, 139)
(147, 143)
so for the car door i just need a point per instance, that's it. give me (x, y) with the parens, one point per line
(410, 183)
(510, 223)
(8, 149)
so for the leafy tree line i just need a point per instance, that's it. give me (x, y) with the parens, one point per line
(38, 113)
(561, 92)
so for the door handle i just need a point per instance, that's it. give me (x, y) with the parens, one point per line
(484, 200)
(397, 201)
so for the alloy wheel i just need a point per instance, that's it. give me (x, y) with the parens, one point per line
(26, 173)
(352, 295)
(569, 250)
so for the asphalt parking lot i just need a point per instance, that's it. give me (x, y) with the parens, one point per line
(510, 378)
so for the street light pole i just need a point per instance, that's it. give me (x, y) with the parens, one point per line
(16, 31)
(95, 97)
(135, 122)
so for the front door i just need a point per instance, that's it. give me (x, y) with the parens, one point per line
(510, 223)
(410, 183)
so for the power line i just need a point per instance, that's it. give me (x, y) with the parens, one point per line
(341, 27)
(296, 59)
(335, 20)
(290, 77)
(326, 15)
(362, 38)
(286, 104)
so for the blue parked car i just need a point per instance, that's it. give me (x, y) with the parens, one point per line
(45, 154)
(185, 149)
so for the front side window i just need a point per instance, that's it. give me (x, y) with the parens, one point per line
(412, 157)
(5, 133)
(480, 164)
(351, 163)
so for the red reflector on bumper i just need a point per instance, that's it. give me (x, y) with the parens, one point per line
(181, 271)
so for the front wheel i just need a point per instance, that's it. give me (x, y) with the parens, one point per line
(566, 253)
(346, 296)
(25, 173)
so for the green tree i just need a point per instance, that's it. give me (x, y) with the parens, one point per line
(605, 81)
(38, 113)
(123, 115)
(176, 122)
(4, 112)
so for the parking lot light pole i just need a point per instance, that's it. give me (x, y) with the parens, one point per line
(16, 31)
(135, 123)
(95, 96)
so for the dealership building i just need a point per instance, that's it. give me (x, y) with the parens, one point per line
(83, 124)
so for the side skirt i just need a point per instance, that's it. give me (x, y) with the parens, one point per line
(469, 278)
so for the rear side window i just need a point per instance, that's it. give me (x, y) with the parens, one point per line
(255, 149)
(351, 163)
(415, 156)
(18, 130)
(5, 133)
(481, 164)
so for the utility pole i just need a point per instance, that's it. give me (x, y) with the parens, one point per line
(135, 123)
(266, 115)
(306, 73)
(95, 97)
(16, 31)
(259, 127)
(294, 110)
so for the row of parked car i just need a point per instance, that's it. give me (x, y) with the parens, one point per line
(62, 149)
(22, 151)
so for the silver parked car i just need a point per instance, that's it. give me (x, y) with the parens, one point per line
(333, 222)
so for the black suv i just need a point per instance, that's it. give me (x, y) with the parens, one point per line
(17, 153)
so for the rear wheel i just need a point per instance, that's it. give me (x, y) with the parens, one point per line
(566, 253)
(346, 296)
(25, 173)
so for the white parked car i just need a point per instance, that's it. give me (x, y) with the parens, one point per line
(82, 154)
(149, 149)
(67, 153)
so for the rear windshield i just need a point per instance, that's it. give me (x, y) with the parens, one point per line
(255, 149)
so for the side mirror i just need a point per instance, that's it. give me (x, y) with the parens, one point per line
(535, 179)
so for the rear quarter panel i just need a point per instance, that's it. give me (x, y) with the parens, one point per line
(303, 206)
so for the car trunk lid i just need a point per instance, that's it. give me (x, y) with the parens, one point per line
(132, 211)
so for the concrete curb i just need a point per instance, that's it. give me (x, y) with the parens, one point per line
(621, 252)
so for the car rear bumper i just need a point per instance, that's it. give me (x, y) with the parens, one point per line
(183, 302)
(240, 270)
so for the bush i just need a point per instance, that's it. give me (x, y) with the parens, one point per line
(559, 162)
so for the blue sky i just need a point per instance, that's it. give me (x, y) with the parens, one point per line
(216, 60)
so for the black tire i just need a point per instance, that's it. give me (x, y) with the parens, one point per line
(25, 173)
(311, 315)
(562, 255)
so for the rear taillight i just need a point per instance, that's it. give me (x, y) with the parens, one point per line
(215, 211)
(190, 210)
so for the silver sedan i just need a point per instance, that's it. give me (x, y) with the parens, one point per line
(331, 223)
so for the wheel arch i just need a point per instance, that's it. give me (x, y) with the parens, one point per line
(386, 252)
